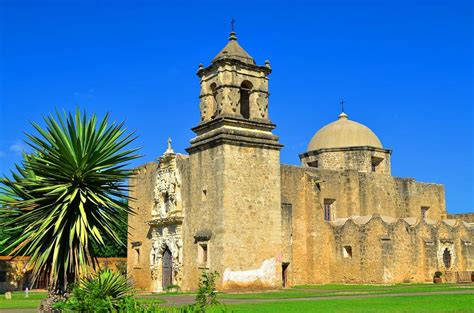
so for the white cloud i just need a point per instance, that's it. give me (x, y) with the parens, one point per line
(18, 147)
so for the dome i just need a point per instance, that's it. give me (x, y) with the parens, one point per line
(343, 133)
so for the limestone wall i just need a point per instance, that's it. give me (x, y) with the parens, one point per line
(139, 243)
(143, 231)
(381, 245)
(236, 197)
(308, 254)
(466, 217)
(386, 250)
(351, 158)
(357, 193)
(204, 214)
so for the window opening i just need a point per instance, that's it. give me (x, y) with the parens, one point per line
(245, 89)
(329, 209)
(424, 211)
(347, 252)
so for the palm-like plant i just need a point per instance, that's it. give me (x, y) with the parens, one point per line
(103, 291)
(68, 193)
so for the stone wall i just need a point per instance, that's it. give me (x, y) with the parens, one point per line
(144, 232)
(10, 267)
(357, 193)
(204, 214)
(236, 199)
(466, 217)
(308, 254)
(139, 243)
(352, 158)
(385, 233)
(388, 250)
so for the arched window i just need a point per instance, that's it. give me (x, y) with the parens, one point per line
(447, 258)
(245, 89)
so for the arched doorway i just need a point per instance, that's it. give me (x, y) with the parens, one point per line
(167, 277)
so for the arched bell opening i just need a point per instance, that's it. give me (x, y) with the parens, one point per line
(245, 89)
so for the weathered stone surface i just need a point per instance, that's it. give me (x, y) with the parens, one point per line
(231, 207)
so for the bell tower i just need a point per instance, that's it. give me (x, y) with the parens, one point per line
(235, 175)
(233, 85)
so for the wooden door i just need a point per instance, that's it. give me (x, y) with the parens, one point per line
(167, 269)
(284, 274)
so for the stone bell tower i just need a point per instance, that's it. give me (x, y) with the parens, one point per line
(235, 217)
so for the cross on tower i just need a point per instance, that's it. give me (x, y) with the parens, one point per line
(232, 25)
(342, 105)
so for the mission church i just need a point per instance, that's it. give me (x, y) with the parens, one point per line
(230, 206)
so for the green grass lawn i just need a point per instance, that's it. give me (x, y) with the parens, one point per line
(341, 290)
(19, 301)
(421, 303)
(435, 303)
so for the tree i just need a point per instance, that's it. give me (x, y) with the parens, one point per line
(5, 238)
(68, 195)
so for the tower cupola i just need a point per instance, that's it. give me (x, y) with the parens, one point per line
(234, 99)
(234, 85)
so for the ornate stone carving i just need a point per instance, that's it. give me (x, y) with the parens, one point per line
(167, 186)
(208, 107)
(170, 239)
(446, 245)
(262, 104)
(155, 273)
(227, 103)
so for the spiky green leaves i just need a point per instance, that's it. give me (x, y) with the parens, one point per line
(69, 192)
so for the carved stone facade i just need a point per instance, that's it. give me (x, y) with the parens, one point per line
(167, 188)
(166, 222)
(231, 207)
(166, 234)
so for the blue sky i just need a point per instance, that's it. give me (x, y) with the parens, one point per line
(404, 68)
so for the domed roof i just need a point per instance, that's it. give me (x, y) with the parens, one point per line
(344, 133)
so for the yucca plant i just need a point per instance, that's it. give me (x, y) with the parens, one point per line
(104, 291)
(68, 193)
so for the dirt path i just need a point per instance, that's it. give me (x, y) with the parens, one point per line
(189, 299)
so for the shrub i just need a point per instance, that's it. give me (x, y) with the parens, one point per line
(438, 274)
(104, 291)
(207, 294)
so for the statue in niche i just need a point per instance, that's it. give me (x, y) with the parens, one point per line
(154, 256)
(165, 192)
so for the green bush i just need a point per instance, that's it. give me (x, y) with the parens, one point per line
(109, 291)
(207, 294)
(105, 291)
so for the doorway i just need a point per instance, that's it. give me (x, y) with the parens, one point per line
(167, 269)
(284, 274)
